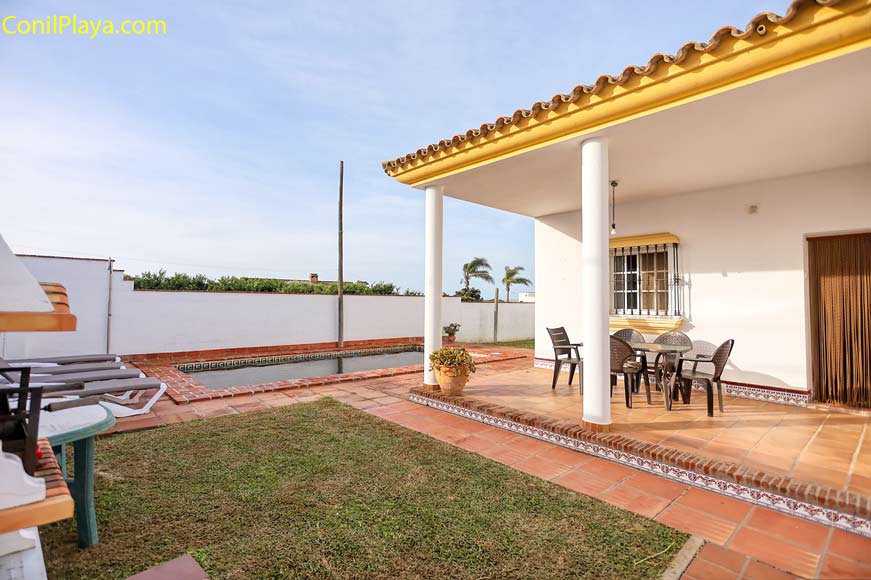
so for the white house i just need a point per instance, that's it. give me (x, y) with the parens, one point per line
(741, 174)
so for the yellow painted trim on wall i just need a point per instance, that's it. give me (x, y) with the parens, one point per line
(814, 36)
(644, 240)
(646, 324)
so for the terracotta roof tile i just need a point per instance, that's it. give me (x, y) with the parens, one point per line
(756, 24)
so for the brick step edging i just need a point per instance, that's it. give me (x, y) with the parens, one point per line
(821, 504)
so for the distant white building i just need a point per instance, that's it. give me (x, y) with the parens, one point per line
(526, 297)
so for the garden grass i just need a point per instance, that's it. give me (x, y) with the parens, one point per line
(322, 490)
(526, 343)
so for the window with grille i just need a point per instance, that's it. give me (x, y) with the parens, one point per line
(644, 280)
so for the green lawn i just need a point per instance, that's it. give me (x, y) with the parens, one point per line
(526, 343)
(322, 490)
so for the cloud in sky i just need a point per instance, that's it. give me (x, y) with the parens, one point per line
(215, 148)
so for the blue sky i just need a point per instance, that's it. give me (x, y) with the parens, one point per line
(215, 148)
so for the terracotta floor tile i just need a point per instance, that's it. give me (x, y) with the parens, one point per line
(503, 454)
(837, 567)
(656, 485)
(696, 522)
(757, 570)
(715, 504)
(565, 456)
(789, 527)
(608, 469)
(777, 552)
(635, 500)
(529, 444)
(703, 569)
(498, 436)
(724, 557)
(540, 467)
(474, 443)
(583, 482)
(850, 546)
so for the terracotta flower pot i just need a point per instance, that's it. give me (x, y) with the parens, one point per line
(452, 380)
(451, 338)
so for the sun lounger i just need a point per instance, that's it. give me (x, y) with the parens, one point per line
(86, 377)
(60, 396)
(66, 360)
(73, 368)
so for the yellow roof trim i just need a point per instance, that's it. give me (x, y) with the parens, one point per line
(643, 240)
(646, 324)
(59, 319)
(810, 31)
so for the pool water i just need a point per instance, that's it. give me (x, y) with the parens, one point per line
(255, 375)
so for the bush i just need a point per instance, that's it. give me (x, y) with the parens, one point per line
(452, 358)
(199, 283)
(469, 294)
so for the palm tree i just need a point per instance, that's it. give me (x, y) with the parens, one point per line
(476, 268)
(511, 277)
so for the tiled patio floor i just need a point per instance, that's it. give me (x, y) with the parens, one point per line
(745, 541)
(830, 448)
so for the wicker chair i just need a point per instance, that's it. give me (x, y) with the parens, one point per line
(632, 335)
(719, 360)
(622, 362)
(669, 362)
(629, 335)
(563, 347)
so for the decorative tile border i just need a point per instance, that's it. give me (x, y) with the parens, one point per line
(739, 390)
(214, 365)
(654, 459)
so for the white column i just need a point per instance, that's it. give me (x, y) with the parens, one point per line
(594, 281)
(432, 309)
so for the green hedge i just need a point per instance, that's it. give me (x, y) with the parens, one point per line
(199, 283)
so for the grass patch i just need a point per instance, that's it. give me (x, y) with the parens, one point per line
(323, 490)
(525, 343)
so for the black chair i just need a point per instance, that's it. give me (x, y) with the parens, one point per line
(563, 347)
(623, 363)
(719, 360)
(19, 417)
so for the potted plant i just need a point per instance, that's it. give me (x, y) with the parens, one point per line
(451, 331)
(452, 368)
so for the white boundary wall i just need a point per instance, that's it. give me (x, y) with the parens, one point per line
(745, 273)
(163, 321)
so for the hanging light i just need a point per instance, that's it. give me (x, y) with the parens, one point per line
(614, 185)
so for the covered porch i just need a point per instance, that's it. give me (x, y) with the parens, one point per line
(688, 195)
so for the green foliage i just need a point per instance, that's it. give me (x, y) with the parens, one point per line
(451, 329)
(513, 278)
(476, 268)
(452, 357)
(469, 294)
(199, 283)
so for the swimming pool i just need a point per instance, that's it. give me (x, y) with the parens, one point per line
(237, 373)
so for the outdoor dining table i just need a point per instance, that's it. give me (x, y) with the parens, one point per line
(661, 351)
(78, 426)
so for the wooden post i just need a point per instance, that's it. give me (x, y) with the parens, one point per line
(496, 317)
(341, 330)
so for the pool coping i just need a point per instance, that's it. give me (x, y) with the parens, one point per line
(183, 388)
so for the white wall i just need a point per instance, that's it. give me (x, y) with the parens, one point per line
(87, 285)
(159, 321)
(516, 321)
(745, 274)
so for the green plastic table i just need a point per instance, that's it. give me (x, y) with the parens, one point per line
(78, 427)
